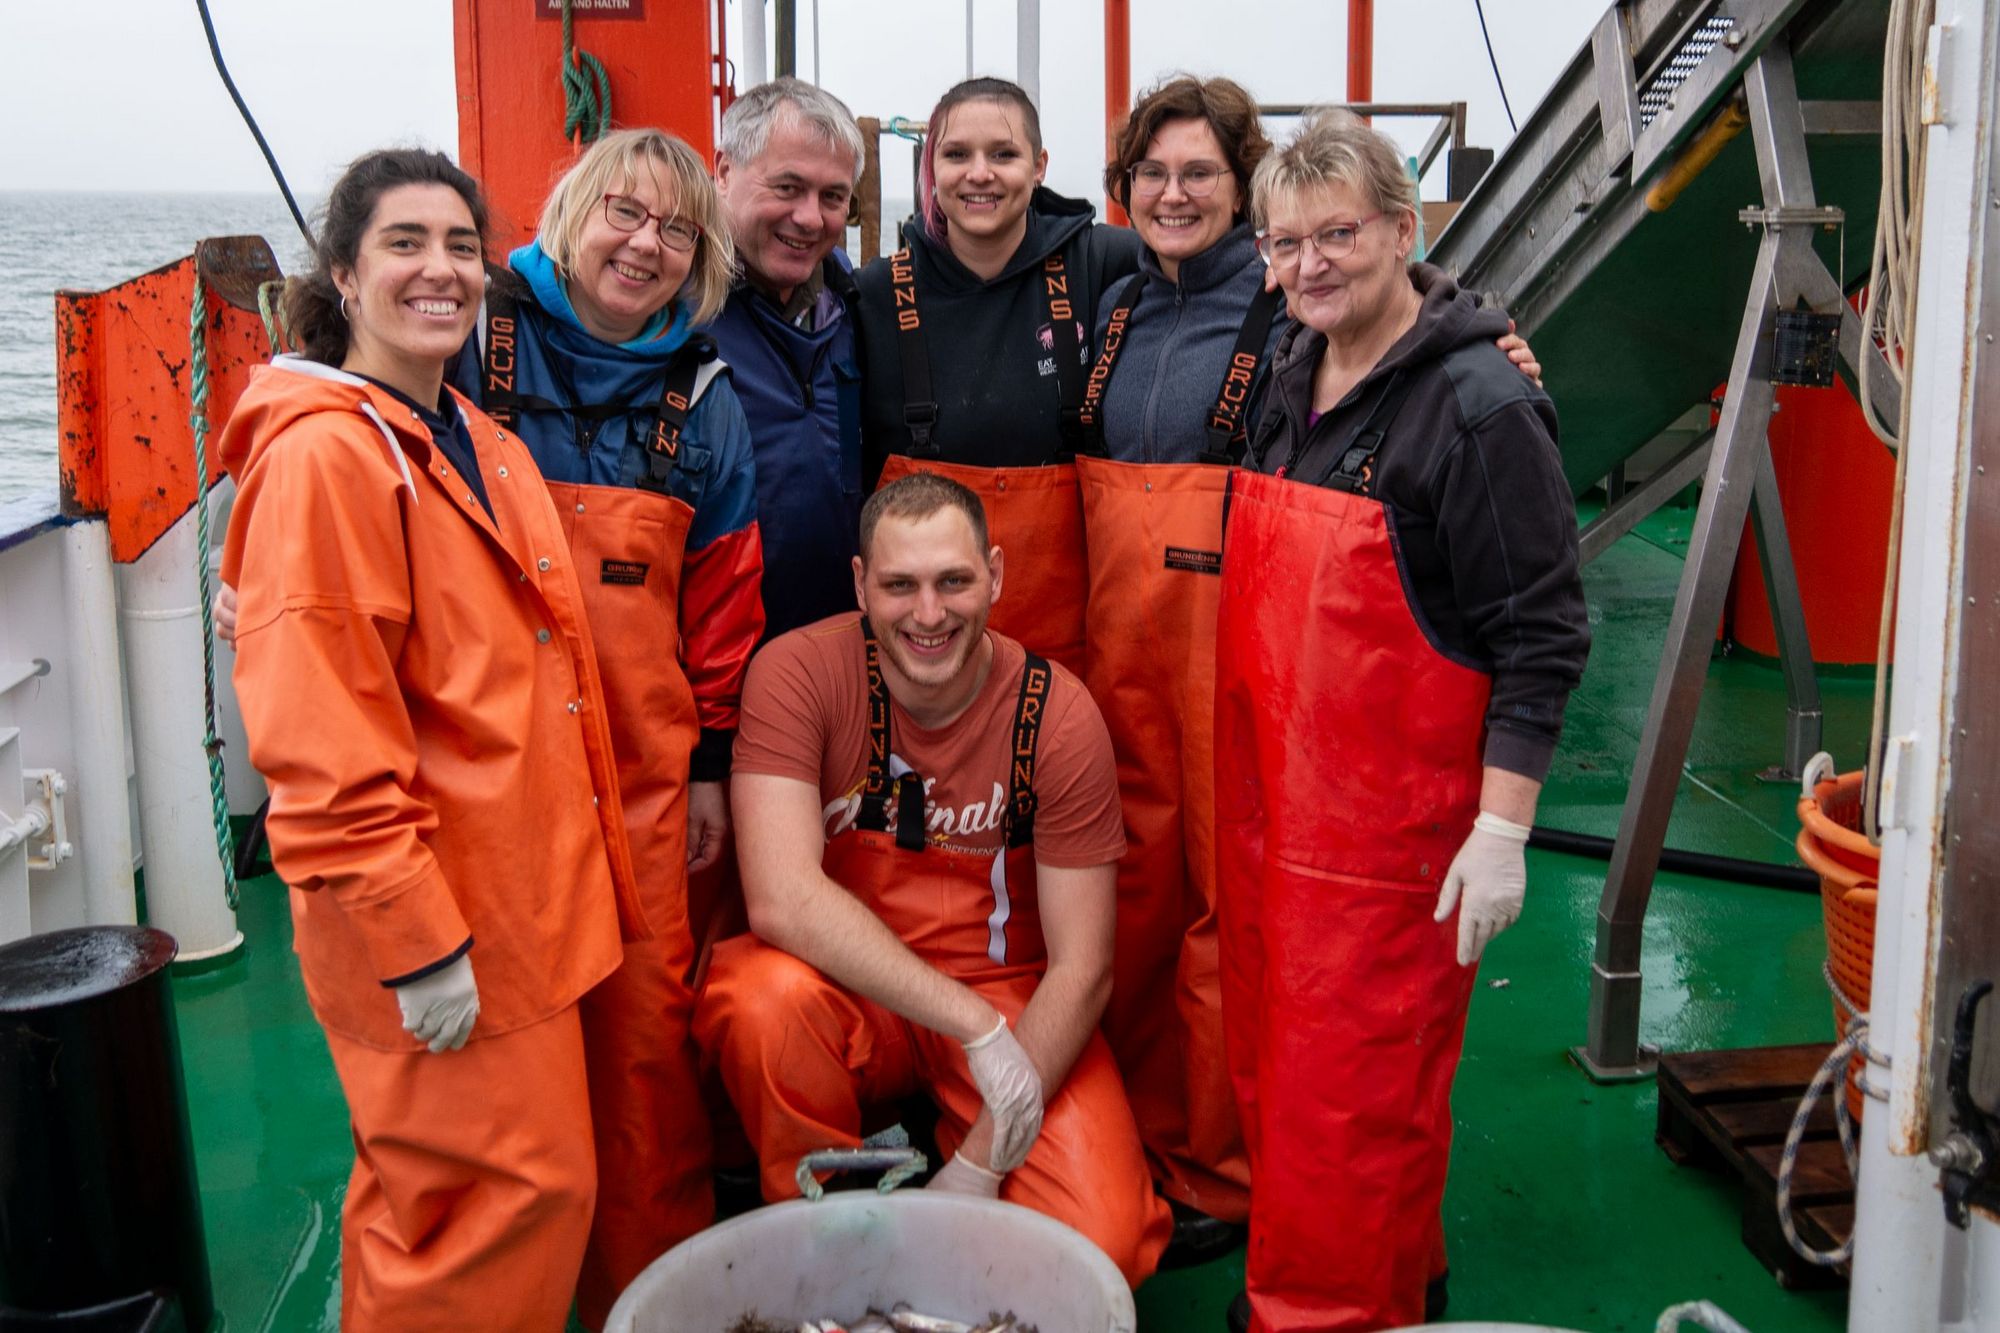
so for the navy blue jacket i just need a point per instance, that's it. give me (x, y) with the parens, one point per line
(801, 392)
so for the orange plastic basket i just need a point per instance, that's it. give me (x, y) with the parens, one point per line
(1832, 846)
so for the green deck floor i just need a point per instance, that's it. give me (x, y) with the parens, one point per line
(1561, 1211)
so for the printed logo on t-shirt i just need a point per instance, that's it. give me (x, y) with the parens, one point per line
(976, 827)
(1045, 338)
(631, 572)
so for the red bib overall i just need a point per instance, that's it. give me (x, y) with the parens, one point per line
(1348, 767)
(647, 1117)
(801, 1056)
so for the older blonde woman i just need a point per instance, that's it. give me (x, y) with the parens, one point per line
(1401, 622)
(588, 350)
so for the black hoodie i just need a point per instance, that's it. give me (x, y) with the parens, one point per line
(993, 372)
(1482, 521)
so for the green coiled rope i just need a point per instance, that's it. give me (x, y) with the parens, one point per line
(586, 88)
(211, 744)
(270, 306)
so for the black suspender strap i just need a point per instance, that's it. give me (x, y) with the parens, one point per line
(663, 451)
(1027, 737)
(498, 359)
(504, 402)
(1226, 429)
(878, 787)
(1068, 351)
(1092, 412)
(499, 369)
(920, 409)
(907, 791)
(1353, 468)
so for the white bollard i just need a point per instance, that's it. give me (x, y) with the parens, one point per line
(161, 614)
(100, 816)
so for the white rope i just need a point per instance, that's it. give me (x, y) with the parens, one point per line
(1890, 318)
(1892, 271)
(1702, 1314)
(1849, 1010)
(1834, 1065)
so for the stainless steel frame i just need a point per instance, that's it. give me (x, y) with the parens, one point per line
(1738, 480)
(1450, 127)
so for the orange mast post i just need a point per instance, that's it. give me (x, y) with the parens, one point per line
(1117, 82)
(1360, 50)
(660, 55)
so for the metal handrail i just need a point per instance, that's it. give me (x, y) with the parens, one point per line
(1450, 127)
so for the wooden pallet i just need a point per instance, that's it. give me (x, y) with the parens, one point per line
(1727, 1111)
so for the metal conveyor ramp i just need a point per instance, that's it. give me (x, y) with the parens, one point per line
(1688, 205)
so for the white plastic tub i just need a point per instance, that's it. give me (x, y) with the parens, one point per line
(944, 1254)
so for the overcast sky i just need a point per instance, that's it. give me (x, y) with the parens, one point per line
(121, 94)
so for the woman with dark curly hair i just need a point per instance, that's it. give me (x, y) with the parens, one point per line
(1186, 337)
(420, 688)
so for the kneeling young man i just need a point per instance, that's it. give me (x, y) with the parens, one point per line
(928, 824)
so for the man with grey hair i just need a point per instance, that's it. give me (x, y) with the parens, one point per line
(786, 168)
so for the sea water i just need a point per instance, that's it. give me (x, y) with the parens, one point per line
(88, 242)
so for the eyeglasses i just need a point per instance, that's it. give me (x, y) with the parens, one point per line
(1333, 241)
(1197, 179)
(625, 213)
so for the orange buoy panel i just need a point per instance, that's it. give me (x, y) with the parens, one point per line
(1835, 478)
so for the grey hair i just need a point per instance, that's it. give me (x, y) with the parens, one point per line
(1334, 147)
(746, 126)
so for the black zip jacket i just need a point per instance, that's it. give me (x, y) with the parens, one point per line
(993, 371)
(1483, 523)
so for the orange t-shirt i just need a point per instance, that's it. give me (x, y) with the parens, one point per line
(805, 716)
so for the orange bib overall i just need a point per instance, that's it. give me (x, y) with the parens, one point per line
(1153, 532)
(647, 1116)
(1155, 545)
(801, 1056)
(1348, 768)
(1034, 516)
(1032, 513)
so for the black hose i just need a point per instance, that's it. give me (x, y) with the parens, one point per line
(1734, 869)
(215, 49)
(1494, 61)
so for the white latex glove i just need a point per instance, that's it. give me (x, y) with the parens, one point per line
(1012, 1090)
(1491, 871)
(439, 1009)
(961, 1175)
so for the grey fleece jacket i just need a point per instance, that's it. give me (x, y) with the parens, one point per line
(1483, 523)
(1177, 345)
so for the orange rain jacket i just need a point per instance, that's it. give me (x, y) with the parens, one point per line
(419, 686)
